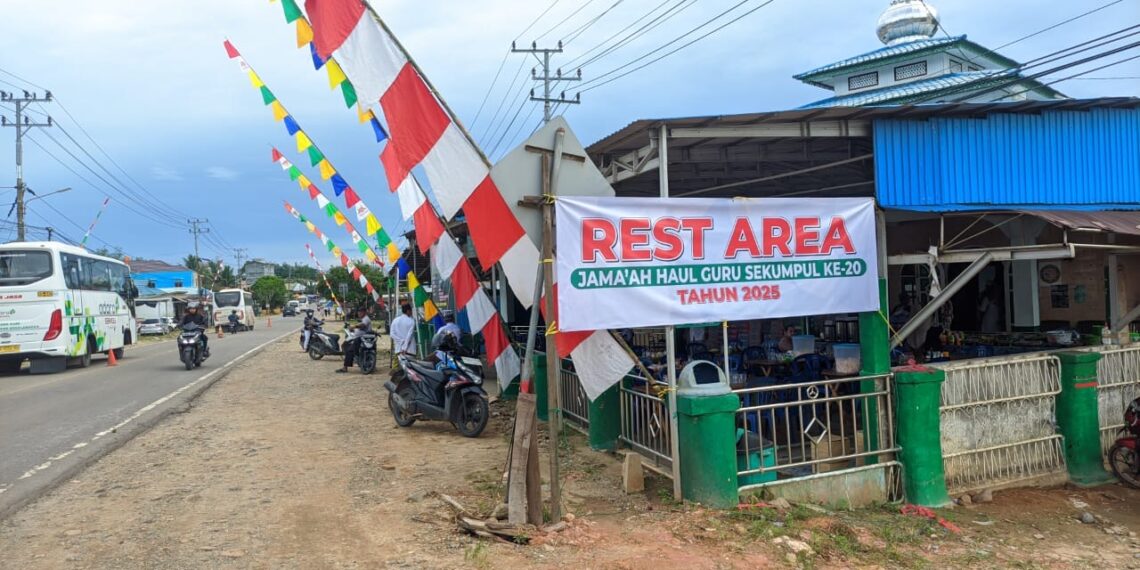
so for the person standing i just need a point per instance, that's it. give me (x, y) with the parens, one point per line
(364, 326)
(403, 332)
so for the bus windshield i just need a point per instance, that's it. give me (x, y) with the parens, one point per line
(19, 267)
(227, 299)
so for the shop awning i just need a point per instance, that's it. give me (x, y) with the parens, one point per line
(1126, 223)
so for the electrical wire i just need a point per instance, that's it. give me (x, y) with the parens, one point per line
(595, 83)
(632, 35)
(493, 126)
(1048, 29)
(574, 34)
(564, 20)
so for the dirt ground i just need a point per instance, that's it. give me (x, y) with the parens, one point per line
(284, 464)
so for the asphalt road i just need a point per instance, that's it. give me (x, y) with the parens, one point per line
(53, 425)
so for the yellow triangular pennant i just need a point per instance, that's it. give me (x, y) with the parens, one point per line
(336, 251)
(279, 112)
(371, 224)
(326, 169)
(393, 253)
(339, 219)
(311, 227)
(303, 142)
(304, 33)
(429, 310)
(412, 281)
(363, 113)
(371, 255)
(303, 182)
(255, 80)
(336, 74)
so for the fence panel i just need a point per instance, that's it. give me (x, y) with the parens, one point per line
(809, 428)
(998, 421)
(645, 423)
(1118, 383)
(575, 403)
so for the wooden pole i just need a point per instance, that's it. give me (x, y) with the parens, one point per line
(553, 363)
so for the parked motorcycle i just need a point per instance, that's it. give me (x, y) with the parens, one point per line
(192, 345)
(233, 327)
(1122, 456)
(365, 356)
(321, 343)
(453, 393)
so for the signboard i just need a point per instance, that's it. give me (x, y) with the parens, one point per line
(639, 262)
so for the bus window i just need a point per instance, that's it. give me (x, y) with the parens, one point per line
(72, 271)
(24, 267)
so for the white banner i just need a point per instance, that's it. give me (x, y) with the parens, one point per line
(640, 262)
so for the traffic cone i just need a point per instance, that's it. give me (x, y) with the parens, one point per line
(111, 361)
(268, 322)
(221, 334)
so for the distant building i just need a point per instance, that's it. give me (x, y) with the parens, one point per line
(258, 268)
(160, 275)
(917, 66)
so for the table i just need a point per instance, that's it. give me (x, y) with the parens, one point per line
(767, 366)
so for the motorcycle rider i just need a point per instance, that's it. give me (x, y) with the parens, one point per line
(307, 331)
(194, 316)
(354, 338)
(450, 327)
(233, 318)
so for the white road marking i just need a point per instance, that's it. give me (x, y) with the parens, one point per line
(38, 468)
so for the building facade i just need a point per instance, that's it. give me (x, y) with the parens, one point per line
(258, 268)
(164, 276)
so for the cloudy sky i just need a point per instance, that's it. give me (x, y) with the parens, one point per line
(178, 131)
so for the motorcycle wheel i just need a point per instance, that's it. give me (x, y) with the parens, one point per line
(473, 415)
(403, 419)
(368, 362)
(314, 352)
(188, 358)
(1124, 465)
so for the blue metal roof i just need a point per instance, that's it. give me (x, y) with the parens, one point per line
(880, 54)
(913, 89)
(1054, 160)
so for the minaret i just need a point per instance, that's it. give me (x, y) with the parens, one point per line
(907, 21)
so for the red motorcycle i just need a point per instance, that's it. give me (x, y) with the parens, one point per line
(1122, 456)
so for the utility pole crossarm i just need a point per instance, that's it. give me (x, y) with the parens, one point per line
(22, 124)
(548, 80)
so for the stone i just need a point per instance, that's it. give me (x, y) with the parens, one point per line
(632, 475)
(417, 496)
(73, 532)
(1087, 518)
(965, 500)
(780, 503)
(986, 496)
(568, 517)
(797, 547)
(1039, 536)
(233, 553)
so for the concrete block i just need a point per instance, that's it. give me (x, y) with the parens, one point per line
(632, 476)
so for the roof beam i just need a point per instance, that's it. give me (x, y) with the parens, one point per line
(803, 129)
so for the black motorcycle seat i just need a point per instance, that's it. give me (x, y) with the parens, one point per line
(333, 336)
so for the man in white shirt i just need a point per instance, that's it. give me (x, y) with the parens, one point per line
(450, 327)
(353, 337)
(403, 331)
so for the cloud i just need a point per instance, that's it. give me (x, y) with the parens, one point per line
(165, 174)
(221, 173)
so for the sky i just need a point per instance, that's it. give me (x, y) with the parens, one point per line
(169, 128)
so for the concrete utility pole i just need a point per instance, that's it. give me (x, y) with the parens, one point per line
(22, 126)
(195, 229)
(546, 78)
(239, 255)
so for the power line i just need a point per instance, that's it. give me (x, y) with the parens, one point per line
(596, 84)
(573, 35)
(1053, 27)
(564, 20)
(633, 35)
(535, 21)
(492, 127)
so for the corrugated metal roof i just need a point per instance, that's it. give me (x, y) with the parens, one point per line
(153, 265)
(880, 54)
(1054, 159)
(898, 93)
(1127, 223)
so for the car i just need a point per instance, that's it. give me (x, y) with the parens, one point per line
(153, 326)
(289, 312)
(170, 324)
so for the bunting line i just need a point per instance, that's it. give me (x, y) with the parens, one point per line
(336, 252)
(325, 278)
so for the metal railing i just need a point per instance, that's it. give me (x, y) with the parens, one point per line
(645, 423)
(812, 427)
(575, 404)
(997, 421)
(1118, 383)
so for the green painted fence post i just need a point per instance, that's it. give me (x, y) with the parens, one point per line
(706, 443)
(875, 354)
(540, 385)
(605, 419)
(1078, 418)
(919, 392)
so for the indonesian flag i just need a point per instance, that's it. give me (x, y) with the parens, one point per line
(481, 314)
(423, 134)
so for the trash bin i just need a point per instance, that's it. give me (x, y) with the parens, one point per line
(757, 452)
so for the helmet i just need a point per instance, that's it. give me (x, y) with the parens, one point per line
(192, 305)
(1132, 416)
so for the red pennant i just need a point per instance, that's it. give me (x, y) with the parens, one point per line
(368, 287)
(288, 208)
(344, 260)
(355, 273)
(350, 197)
(428, 227)
(231, 50)
(276, 155)
(314, 191)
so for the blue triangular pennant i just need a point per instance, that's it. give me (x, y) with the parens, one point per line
(317, 61)
(437, 322)
(339, 185)
(381, 136)
(402, 268)
(291, 125)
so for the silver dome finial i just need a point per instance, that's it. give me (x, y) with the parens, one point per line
(907, 21)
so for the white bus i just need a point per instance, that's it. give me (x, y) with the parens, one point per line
(60, 304)
(239, 300)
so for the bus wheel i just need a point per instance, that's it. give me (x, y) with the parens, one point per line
(119, 353)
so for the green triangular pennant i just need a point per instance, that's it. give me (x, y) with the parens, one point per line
(294, 173)
(382, 238)
(362, 246)
(420, 296)
(303, 218)
(349, 94)
(315, 156)
(331, 209)
(267, 95)
(329, 244)
(292, 12)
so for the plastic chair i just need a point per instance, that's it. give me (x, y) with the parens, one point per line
(695, 348)
(809, 367)
(735, 363)
(705, 355)
(755, 353)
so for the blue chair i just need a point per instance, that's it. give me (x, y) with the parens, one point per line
(809, 367)
(706, 355)
(735, 363)
(755, 353)
(695, 348)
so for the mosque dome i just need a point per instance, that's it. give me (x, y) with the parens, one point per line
(907, 21)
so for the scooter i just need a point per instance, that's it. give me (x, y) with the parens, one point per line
(192, 345)
(453, 393)
(366, 352)
(321, 343)
(1122, 456)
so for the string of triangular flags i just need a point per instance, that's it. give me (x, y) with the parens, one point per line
(333, 213)
(317, 159)
(324, 277)
(336, 252)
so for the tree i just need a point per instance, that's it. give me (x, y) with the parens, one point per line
(108, 252)
(211, 274)
(270, 291)
(296, 272)
(356, 295)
